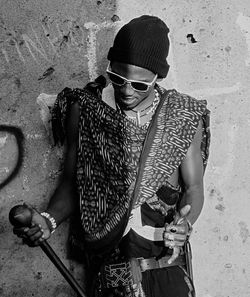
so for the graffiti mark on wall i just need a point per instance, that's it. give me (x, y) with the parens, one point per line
(25, 47)
(93, 30)
(43, 42)
(18, 134)
(31, 46)
(34, 46)
(50, 40)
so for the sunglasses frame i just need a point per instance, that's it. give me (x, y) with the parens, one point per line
(130, 81)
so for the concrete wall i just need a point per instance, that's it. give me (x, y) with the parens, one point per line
(47, 45)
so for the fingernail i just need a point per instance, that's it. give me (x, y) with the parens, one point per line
(26, 230)
(33, 224)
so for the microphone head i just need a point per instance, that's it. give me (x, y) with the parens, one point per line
(20, 216)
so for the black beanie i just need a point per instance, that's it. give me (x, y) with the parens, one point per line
(143, 42)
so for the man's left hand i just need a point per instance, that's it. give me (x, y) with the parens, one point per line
(177, 233)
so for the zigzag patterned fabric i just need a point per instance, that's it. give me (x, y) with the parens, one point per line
(176, 126)
(109, 154)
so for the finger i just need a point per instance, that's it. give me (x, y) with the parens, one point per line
(168, 236)
(168, 240)
(180, 237)
(175, 237)
(32, 242)
(30, 207)
(33, 230)
(176, 252)
(36, 236)
(21, 235)
(171, 238)
(19, 231)
(172, 244)
(181, 229)
(179, 217)
(185, 210)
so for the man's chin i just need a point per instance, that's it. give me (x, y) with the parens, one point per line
(127, 104)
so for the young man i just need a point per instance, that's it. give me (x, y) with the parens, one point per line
(135, 159)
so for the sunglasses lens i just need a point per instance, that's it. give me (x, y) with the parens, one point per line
(139, 86)
(116, 79)
(119, 81)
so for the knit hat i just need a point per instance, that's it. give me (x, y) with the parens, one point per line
(143, 42)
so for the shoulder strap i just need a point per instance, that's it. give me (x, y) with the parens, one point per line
(147, 146)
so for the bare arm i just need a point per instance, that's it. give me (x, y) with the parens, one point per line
(64, 200)
(191, 169)
(192, 175)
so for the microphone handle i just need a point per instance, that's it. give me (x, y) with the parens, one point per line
(62, 268)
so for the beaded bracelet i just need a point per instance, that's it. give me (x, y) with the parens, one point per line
(51, 219)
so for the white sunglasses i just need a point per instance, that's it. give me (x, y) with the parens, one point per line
(120, 81)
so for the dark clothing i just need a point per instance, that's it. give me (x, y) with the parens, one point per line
(169, 281)
(122, 167)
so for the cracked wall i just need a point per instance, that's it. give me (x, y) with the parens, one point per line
(47, 45)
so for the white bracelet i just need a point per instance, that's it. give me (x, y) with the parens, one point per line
(51, 219)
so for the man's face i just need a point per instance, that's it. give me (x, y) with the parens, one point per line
(126, 96)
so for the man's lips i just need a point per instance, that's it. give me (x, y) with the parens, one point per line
(127, 98)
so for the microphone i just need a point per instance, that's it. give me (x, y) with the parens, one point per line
(21, 216)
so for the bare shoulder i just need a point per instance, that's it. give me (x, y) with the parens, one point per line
(192, 168)
(70, 158)
(198, 136)
(72, 123)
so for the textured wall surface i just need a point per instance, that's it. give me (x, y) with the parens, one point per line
(47, 45)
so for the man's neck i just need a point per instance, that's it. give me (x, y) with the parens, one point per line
(142, 106)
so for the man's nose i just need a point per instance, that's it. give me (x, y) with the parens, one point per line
(127, 89)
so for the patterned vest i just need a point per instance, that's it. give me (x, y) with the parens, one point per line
(111, 178)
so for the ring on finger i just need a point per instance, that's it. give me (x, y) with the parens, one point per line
(173, 229)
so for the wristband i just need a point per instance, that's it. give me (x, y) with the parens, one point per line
(51, 219)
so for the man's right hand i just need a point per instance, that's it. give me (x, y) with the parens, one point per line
(37, 232)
